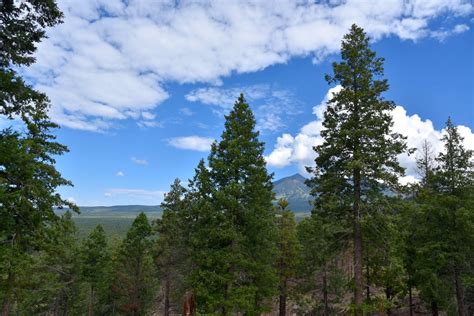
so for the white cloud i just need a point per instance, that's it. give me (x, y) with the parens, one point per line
(186, 111)
(298, 150)
(137, 161)
(71, 199)
(442, 34)
(111, 59)
(270, 104)
(197, 143)
(120, 174)
(145, 124)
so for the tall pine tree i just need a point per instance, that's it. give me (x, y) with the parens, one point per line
(242, 198)
(171, 247)
(358, 157)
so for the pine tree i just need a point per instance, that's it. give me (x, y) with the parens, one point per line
(320, 275)
(358, 157)
(288, 249)
(243, 199)
(95, 263)
(28, 178)
(454, 182)
(205, 242)
(134, 282)
(22, 27)
(28, 183)
(171, 247)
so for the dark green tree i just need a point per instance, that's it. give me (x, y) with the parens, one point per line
(453, 181)
(322, 282)
(358, 157)
(95, 266)
(134, 283)
(28, 197)
(242, 198)
(205, 242)
(28, 178)
(288, 249)
(22, 27)
(171, 246)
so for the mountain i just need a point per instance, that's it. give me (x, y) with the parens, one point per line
(295, 191)
(291, 188)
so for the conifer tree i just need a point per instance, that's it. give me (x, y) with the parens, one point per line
(22, 26)
(95, 263)
(243, 199)
(454, 185)
(358, 157)
(288, 249)
(134, 282)
(171, 247)
(204, 241)
(28, 178)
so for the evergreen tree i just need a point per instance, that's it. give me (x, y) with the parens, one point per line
(95, 263)
(205, 242)
(320, 275)
(288, 248)
(22, 27)
(454, 185)
(28, 183)
(134, 282)
(28, 178)
(358, 157)
(243, 199)
(171, 247)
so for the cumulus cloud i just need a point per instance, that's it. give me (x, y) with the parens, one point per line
(111, 59)
(137, 161)
(270, 104)
(197, 143)
(120, 174)
(298, 149)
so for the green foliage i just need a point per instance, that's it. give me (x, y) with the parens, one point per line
(243, 194)
(358, 159)
(22, 27)
(95, 270)
(288, 252)
(134, 283)
(442, 228)
(171, 253)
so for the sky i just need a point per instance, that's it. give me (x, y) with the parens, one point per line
(140, 88)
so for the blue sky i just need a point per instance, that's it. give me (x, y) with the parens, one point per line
(140, 91)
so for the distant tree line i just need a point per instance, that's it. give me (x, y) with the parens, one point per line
(223, 245)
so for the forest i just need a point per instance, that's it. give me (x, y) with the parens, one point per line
(224, 245)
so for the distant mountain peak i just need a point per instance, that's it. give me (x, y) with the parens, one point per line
(293, 189)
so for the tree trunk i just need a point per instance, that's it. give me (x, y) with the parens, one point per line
(6, 306)
(410, 299)
(167, 298)
(358, 272)
(459, 293)
(91, 299)
(388, 295)
(282, 304)
(367, 273)
(325, 293)
(434, 309)
(7, 298)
